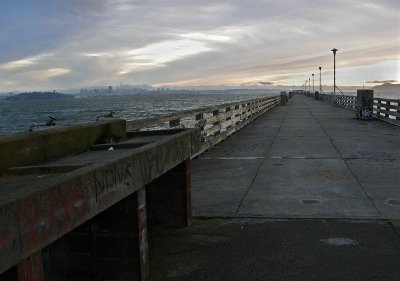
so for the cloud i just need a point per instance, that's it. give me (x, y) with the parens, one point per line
(191, 42)
(47, 74)
(382, 82)
(257, 84)
(18, 64)
(206, 37)
(265, 83)
(23, 63)
(166, 51)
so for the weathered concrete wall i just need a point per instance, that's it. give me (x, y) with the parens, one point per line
(169, 197)
(41, 146)
(46, 208)
(111, 246)
(365, 104)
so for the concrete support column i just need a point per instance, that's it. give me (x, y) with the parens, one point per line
(111, 246)
(31, 269)
(120, 241)
(284, 99)
(237, 114)
(228, 117)
(216, 113)
(365, 103)
(227, 110)
(169, 197)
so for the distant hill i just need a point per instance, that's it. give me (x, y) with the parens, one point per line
(38, 96)
(387, 88)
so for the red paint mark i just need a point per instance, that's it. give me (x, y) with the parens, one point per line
(50, 215)
(4, 239)
(31, 269)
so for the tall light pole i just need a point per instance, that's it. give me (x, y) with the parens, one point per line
(313, 83)
(309, 84)
(320, 85)
(334, 50)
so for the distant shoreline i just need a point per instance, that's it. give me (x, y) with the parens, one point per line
(33, 96)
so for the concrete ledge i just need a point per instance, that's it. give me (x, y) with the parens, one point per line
(41, 146)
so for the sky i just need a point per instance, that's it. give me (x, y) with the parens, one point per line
(58, 44)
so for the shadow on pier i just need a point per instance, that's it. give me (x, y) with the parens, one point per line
(306, 192)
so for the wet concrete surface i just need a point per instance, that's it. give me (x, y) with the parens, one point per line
(284, 250)
(307, 150)
(305, 192)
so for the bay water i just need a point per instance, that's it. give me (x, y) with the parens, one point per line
(17, 116)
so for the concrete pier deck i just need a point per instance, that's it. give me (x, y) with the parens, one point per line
(306, 192)
(305, 160)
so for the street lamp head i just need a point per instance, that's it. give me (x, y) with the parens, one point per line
(320, 68)
(334, 50)
(312, 74)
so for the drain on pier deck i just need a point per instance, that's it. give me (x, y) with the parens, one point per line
(393, 202)
(310, 201)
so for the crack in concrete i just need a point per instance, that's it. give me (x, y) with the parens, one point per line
(259, 168)
(348, 167)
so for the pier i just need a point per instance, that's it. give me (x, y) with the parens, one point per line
(272, 190)
(306, 160)
(306, 192)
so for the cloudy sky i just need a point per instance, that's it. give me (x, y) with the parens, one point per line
(55, 44)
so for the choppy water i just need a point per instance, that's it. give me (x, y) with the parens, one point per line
(16, 116)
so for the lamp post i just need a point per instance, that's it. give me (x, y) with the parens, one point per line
(313, 83)
(309, 84)
(320, 85)
(334, 50)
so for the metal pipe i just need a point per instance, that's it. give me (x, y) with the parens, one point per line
(313, 83)
(334, 50)
(320, 85)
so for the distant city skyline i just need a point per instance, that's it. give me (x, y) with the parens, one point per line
(74, 44)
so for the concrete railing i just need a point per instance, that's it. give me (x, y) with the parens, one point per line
(348, 102)
(387, 110)
(216, 122)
